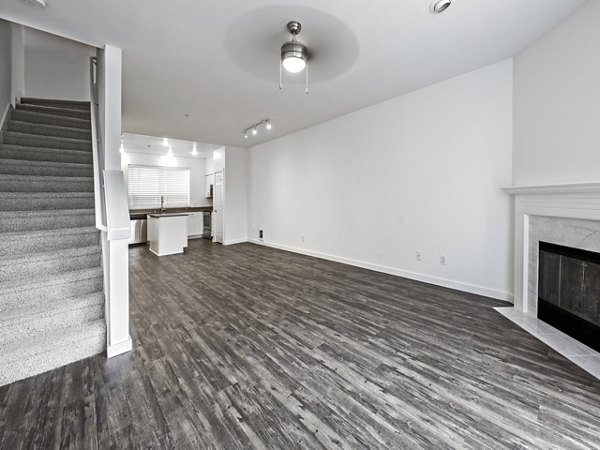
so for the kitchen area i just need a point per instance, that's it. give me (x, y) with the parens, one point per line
(175, 192)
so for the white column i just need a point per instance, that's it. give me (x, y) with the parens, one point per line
(115, 240)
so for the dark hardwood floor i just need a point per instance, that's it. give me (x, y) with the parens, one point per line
(250, 347)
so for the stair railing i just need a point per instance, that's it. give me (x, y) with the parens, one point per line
(97, 149)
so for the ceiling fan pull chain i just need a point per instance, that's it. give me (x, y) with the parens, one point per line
(306, 91)
(280, 64)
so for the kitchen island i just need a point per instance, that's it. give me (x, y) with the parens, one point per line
(167, 233)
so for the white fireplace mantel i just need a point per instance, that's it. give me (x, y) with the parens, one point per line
(567, 201)
(536, 207)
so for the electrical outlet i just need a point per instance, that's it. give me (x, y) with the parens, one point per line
(443, 260)
(419, 255)
(302, 238)
(260, 234)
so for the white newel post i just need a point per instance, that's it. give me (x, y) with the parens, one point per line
(115, 239)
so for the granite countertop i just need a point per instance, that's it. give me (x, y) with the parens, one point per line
(138, 213)
(159, 215)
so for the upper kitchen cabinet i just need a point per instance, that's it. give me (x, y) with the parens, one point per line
(209, 181)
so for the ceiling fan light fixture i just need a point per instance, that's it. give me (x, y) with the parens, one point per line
(293, 56)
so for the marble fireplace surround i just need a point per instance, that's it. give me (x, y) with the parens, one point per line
(566, 214)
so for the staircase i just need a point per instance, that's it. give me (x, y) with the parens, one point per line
(51, 280)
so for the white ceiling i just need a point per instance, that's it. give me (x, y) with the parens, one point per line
(218, 61)
(137, 143)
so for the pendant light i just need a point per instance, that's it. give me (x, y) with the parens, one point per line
(294, 55)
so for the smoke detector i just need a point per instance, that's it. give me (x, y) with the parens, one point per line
(35, 3)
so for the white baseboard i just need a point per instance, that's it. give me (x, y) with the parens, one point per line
(235, 241)
(430, 279)
(119, 348)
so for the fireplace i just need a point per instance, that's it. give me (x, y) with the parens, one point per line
(569, 291)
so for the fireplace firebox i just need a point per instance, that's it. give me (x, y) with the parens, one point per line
(569, 291)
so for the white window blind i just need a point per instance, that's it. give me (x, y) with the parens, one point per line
(147, 184)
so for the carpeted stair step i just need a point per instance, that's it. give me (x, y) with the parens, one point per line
(36, 201)
(48, 130)
(23, 323)
(28, 293)
(44, 154)
(32, 140)
(37, 183)
(47, 168)
(52, 304)
(50, 119)
(20, 243)
(47, 351)
(56, 103)
(63, 112)
(46, 263)
(46, 220)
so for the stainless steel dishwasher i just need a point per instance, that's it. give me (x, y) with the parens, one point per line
(139, 229)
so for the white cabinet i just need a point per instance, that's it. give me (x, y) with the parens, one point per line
(195, 224)
(209, 181)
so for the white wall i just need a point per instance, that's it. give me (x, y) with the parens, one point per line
(419, 172)
(557, 103)
(5, 68)
(56, 67)
(235, 220)
(209, 165)
(18, 62)
(197, 168)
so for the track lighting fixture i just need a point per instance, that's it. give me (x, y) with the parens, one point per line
(294, 54)
(254, 127)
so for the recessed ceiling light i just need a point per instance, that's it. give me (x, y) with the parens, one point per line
(165, 142)
(195, 150)
(35, 3)
(441, 6)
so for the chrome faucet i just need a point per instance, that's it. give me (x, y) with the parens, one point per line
(162, 203)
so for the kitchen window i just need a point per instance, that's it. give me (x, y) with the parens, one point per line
(147, 184)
